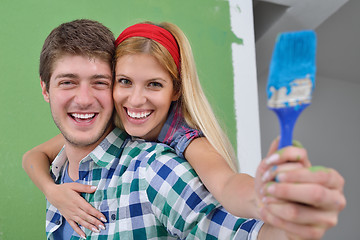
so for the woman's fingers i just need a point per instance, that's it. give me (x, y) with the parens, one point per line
(94, 213)
(76, 209)
(275, 170)
(289, 154)
(85, 222)
(88, 216)
(293, 229)
(314, 195)
(303, 214)
(317, 174)
(273, 146)
(76, 228)
(82, 188)
(89, 219)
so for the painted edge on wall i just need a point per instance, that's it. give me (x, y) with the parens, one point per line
(245, 87)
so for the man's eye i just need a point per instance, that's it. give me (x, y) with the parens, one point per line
(102, 84)
(66, 83)
(105, 83)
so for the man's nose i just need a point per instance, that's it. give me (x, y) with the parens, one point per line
(84, 95)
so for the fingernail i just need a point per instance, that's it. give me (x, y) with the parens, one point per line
(298, 144)
(93, 187)
(272, 159)
(102, 227)
(95, 230)
(264, 200)
(103, 219)
(270, 189)
(268, 175)
(264, 190)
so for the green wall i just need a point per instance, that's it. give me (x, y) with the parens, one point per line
(25, 117)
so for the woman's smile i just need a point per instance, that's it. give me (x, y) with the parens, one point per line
(137, 114)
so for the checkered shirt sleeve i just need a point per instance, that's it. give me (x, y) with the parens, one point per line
(175, 132)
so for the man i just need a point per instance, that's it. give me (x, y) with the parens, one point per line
(143, 189)
(76, 79)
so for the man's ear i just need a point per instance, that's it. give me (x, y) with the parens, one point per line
(44, 92)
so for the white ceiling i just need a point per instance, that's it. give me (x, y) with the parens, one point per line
(336, 23)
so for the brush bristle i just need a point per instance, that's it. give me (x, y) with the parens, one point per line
(292, 69)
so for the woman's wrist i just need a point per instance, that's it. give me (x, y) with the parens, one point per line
(47, 187)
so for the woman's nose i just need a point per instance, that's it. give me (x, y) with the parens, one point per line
(137, 97)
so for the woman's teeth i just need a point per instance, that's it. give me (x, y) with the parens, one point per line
(138, 115)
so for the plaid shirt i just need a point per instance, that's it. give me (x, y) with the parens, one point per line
(147, 192)
(175, 132)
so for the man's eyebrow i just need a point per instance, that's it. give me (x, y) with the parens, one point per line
(66, 75)
(71, 75)
(101, 76)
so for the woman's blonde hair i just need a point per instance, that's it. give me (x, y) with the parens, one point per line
(195, 107)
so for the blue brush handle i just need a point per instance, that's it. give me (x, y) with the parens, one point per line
(287, 118)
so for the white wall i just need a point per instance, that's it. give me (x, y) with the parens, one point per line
(245, 86)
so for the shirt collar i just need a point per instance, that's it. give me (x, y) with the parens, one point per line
(58, 164)
(110, 148)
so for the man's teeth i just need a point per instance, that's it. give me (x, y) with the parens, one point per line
(83, 116)
(138, 115)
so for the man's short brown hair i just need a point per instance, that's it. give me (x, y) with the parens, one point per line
(79, 37)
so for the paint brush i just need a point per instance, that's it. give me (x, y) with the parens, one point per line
(291, 79)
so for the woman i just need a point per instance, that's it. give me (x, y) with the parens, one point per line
(158, 96)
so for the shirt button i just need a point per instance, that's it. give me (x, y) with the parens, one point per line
(113, 216)
(57, 222)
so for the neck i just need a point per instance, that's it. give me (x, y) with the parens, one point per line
(76, 153)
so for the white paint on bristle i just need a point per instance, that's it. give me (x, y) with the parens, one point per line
(299, 93)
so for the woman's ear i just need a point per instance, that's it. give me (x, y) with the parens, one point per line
(176, 95)
(44, 91)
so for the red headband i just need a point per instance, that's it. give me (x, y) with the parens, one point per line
(155, 33)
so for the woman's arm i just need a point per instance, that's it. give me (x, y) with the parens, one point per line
(36, 162)
(65, 197)
(235, 191)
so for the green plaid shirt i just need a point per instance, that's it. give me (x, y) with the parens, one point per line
(147, 192)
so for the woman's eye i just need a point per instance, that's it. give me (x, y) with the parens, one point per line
(155, 85)
(124, 81)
